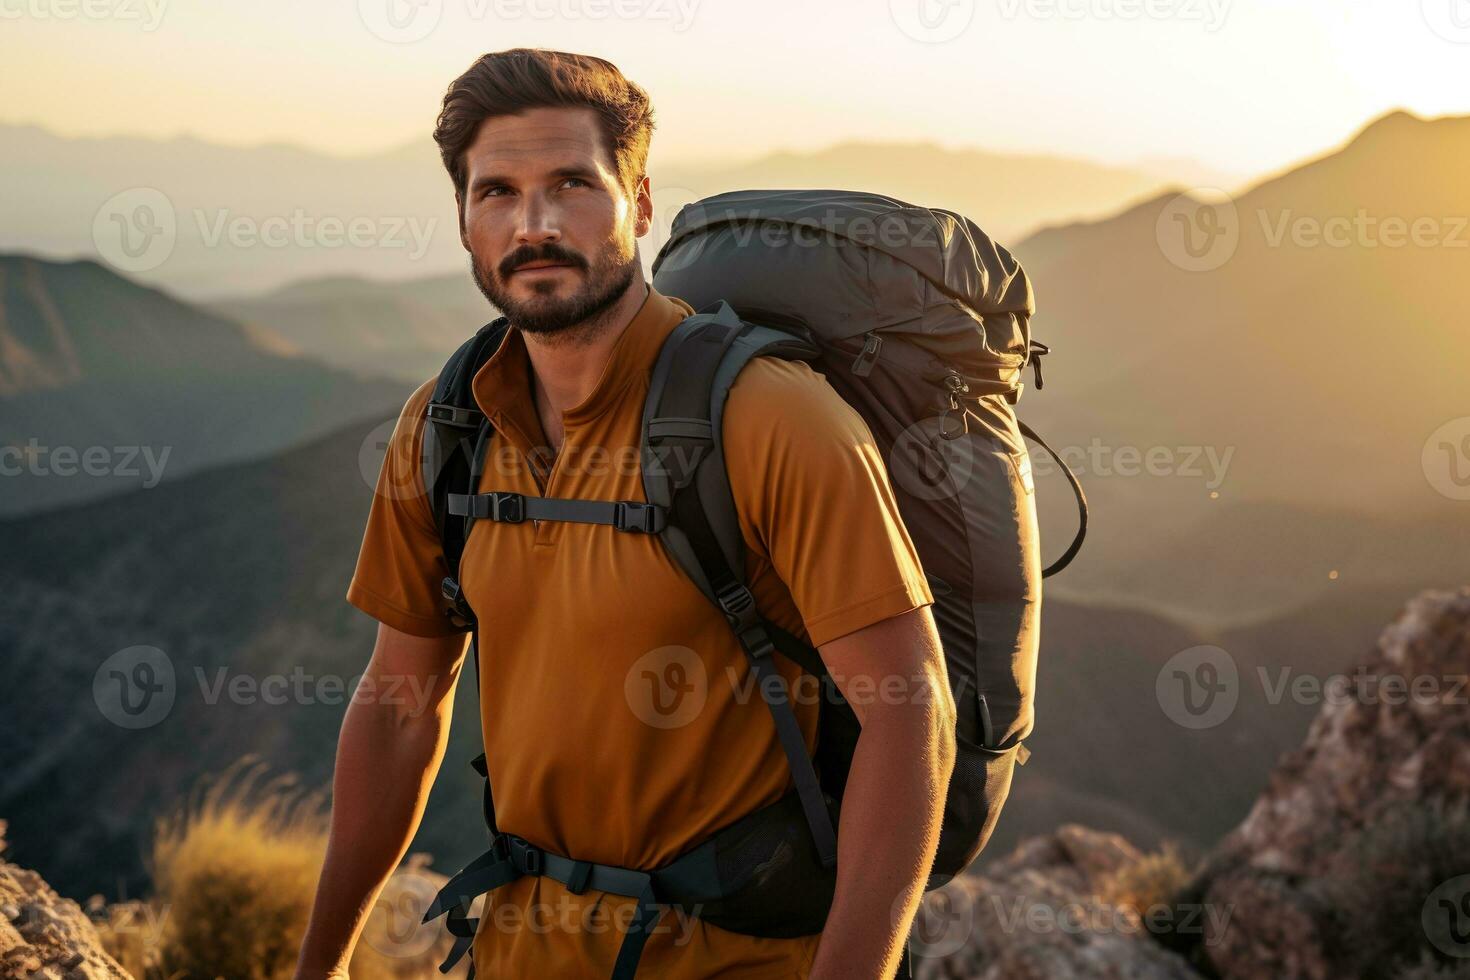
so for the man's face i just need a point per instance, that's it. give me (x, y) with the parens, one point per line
(552, 234)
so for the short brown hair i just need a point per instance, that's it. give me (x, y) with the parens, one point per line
(504, 83)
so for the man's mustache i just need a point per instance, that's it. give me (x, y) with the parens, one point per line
(549, 252)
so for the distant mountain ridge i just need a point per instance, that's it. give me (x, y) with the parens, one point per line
(1320, 370)
(220, 199)
(405, 330)
(106, 385)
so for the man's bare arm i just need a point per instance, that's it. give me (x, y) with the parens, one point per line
(388, 754)
(893, 674)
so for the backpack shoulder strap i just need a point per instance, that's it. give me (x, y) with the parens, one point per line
(455, 435)
(682, 447)
(684, 472)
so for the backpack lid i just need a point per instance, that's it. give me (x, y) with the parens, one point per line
(947, 249)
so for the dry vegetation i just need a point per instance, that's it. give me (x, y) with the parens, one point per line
(234, 871)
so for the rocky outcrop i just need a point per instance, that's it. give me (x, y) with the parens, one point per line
(1355, 861)
(45, 936)
(1043, 913)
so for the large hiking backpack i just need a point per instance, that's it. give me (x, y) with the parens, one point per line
(921, 323)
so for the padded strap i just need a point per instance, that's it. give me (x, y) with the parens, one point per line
(687, 392)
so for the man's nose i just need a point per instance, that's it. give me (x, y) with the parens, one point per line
(537, 222)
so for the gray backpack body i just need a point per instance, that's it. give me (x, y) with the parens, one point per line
(922, 324)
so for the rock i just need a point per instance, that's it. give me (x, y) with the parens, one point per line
(45, 936)
(1038, 915)
(1340, 858)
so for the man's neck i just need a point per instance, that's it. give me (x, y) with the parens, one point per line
(566, 366)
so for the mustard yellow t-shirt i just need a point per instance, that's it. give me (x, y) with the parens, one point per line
(620, 724)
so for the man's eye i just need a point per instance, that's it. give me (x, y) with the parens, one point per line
(497, 190)
(575, 181)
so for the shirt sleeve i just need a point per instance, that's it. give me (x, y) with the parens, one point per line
(401, 565)
(815, 501)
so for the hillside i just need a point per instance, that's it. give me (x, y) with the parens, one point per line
(106, 385)
(405, 330)
(237, 575)
(1293, 388)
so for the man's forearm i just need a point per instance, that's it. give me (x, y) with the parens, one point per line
(889, 830)
(386, 762)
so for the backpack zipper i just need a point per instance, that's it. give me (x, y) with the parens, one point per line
(862, 365)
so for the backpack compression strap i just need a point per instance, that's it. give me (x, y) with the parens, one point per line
(684, 471)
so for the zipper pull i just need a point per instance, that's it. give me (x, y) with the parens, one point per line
(862, 365)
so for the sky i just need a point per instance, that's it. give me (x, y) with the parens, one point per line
(1242, 86)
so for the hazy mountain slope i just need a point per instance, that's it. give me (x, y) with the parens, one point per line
(1316, 374)
(405, 330)
(150, 387)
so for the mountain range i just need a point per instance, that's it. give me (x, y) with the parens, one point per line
(239, 221)
(108, 385)
(236, 577)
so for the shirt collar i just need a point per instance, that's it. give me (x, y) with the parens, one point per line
(502, 386)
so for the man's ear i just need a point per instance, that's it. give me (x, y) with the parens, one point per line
(643, 202)
(464, 239)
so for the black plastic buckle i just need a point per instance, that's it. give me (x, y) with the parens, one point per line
(459, 609)
(736, 600)
(633, 515)
(533, 860)
(507, 508)
(464, 418)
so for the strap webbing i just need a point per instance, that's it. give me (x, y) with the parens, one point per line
(514, 508)
(511, 857)
(751, 630)
(1076, 545)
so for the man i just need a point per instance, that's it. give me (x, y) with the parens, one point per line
(547, 152)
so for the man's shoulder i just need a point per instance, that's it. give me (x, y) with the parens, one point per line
(775, 393)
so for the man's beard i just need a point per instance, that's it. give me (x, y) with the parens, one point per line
(604, 283)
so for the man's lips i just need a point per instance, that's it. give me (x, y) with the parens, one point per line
(541, 266)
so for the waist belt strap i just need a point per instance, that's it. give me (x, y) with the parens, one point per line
(692, 876)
